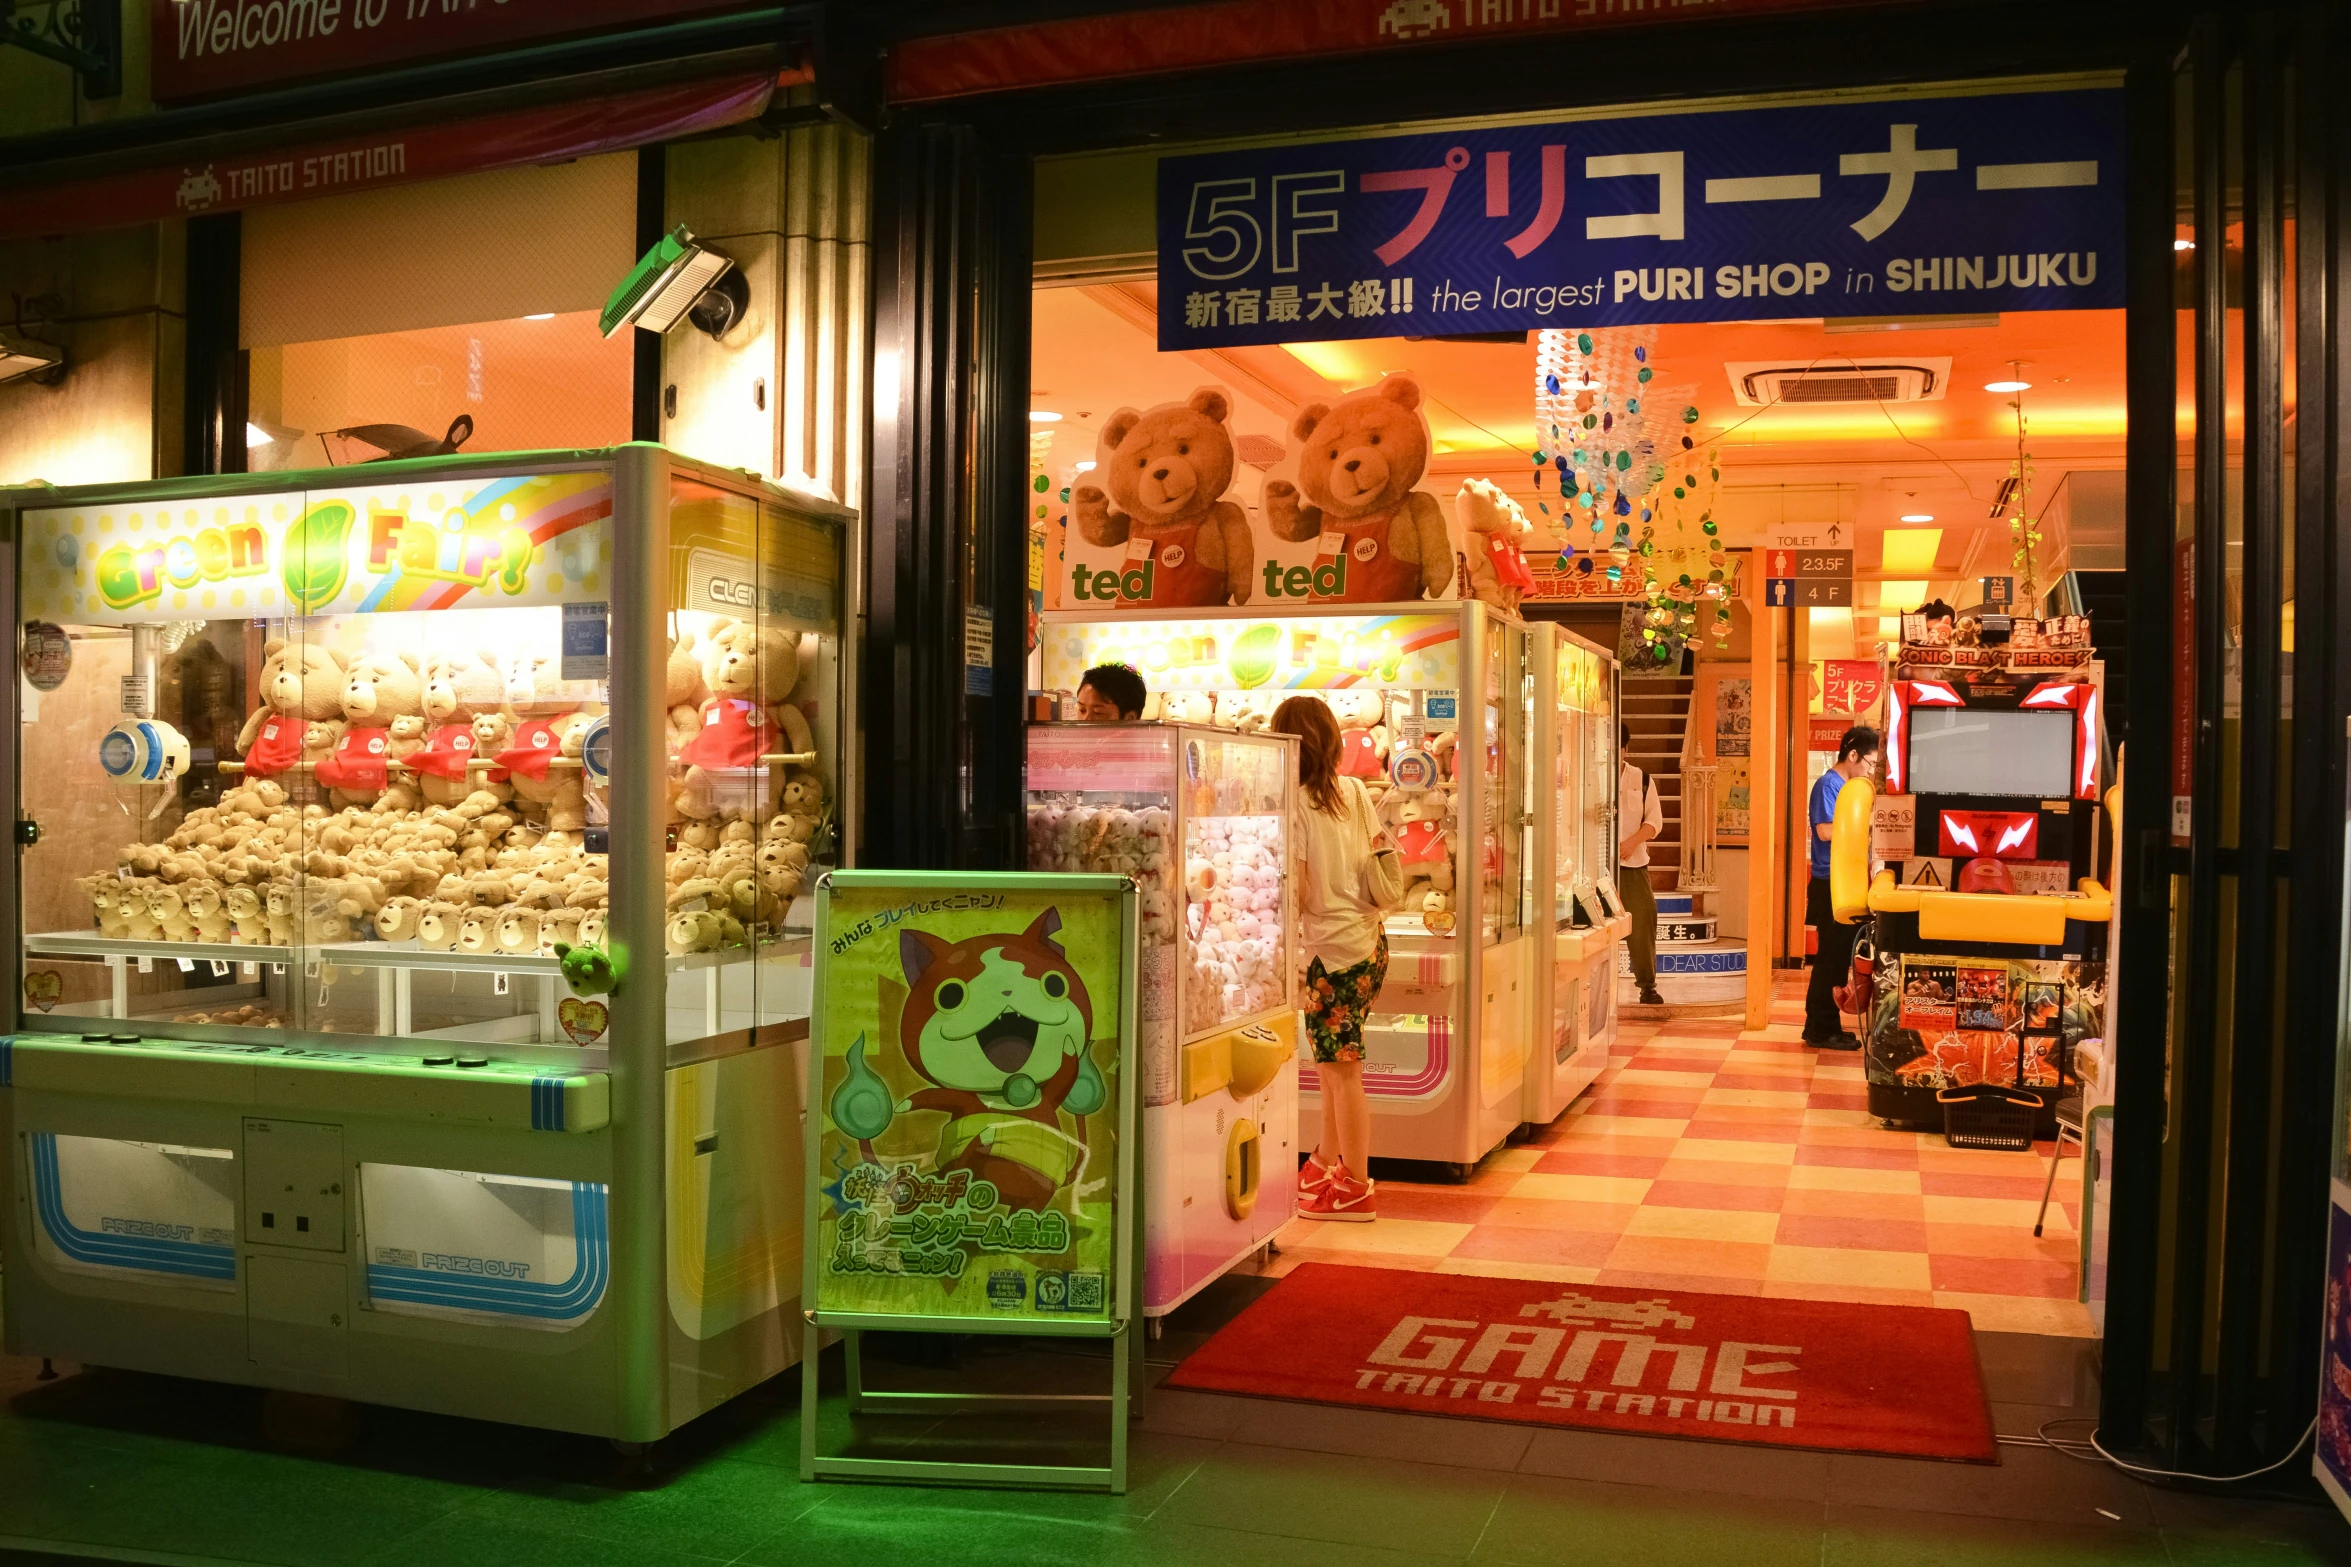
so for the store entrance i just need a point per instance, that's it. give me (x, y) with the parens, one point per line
(1701, 1149)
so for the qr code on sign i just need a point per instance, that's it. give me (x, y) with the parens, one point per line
(1085, 1292)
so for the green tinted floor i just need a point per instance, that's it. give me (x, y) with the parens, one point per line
(123, 1466)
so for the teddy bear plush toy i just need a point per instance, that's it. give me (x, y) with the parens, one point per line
(459, 684)
(750, 673)
(1187, 707)
(1492, 562)
(301, 685)
(1381, 540)
(378, 688)
(1161, 478)
(1423, 831)
(1364, 741)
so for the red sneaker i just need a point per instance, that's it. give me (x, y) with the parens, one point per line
(1344, 1198)
(1314, 1175)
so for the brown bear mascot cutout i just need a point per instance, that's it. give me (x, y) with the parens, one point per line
(1167, 471)
(1381, 540)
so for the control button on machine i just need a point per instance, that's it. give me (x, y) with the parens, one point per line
(123, 1039)
(440, 1060)
(468, 1063)
(96, 1039)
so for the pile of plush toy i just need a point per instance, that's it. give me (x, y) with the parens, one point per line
(443, 801)
(1233, 914)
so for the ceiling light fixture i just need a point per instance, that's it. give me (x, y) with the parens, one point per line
(1918, 516)
(2008, 386)
(679, 277)
(1087, 466)
(544, 315)
(1040, 416)
(1911, 549)
(2183, 244)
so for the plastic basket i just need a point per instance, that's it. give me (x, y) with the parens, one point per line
(1986, 1115)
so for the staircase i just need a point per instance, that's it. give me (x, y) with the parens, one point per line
(1657, 710)
(1699, 973)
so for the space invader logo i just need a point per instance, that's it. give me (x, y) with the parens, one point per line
(1008, 1289)
(1581, 1310)
(1406, 20)
(198, 190)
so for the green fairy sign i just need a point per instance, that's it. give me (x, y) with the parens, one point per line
(967, 1085)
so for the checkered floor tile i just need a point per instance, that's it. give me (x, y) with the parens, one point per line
(1742, 1162)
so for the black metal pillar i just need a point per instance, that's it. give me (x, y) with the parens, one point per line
(948, 541)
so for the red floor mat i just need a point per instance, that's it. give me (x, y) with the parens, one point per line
(1731, 1368)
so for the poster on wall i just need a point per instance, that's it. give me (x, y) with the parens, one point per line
(1852, 685)
(969, 1078)
(1734, 716)
(1982, 202)
(1168, 519)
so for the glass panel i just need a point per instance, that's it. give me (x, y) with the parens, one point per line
(754, 744)
(300, 772)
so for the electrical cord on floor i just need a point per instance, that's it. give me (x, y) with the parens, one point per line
(2089, 1451)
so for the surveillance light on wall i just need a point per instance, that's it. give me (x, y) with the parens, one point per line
(44, 362)
(679, 277)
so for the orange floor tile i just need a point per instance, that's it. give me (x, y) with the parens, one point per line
(1710, 1158)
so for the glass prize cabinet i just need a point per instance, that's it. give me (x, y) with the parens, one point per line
(1576, 729)
(1432, 702)
(1200, 818)
(414, 952)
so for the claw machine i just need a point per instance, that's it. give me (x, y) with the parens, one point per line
(1431, 698)
(1576, 760)
(1200, 819)
(411, 928)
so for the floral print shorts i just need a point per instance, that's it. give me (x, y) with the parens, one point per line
(1336, 1004)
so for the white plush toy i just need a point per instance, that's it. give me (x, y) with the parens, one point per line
(1187, 707)
(1488, 527)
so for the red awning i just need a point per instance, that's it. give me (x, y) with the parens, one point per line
(306, 165)
(1197, 36)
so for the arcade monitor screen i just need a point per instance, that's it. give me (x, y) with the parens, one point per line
(1996, 751)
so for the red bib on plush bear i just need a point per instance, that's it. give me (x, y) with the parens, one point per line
(446, 752)
(1418, 843)
(357, 761)
(1376, 574)
(1510, 562)
(1359, 755)
(537, 743)
(276, 748)
(734, 734)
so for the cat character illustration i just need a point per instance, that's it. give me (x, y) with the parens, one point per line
(1000, 1025)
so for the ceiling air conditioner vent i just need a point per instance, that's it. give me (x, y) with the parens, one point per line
(1258, 451)
(1763, 383)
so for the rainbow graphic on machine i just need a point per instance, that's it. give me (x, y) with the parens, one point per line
(426, 544)
(1244, 652)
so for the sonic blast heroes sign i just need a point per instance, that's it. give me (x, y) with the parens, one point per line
(967, 1084)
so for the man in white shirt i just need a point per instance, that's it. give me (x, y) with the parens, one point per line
(1640, 816)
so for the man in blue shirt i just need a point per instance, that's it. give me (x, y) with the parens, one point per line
(1857, 753)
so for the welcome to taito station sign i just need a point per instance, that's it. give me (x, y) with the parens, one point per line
(203, 48)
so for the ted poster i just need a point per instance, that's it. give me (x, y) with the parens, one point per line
(967, 1078)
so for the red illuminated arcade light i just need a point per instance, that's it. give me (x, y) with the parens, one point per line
(2006, 835)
